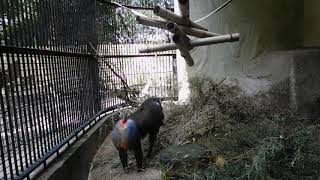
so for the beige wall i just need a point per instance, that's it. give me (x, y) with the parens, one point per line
(269, 28)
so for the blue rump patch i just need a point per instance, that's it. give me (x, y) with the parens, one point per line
(125, 134)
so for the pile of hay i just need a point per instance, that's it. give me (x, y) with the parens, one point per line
(250, 137)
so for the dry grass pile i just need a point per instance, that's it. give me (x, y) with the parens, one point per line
(251, 137)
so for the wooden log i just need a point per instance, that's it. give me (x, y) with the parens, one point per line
(184, 8)
(171, 16)
(178, 39)
(215, 40)
(194, 43)
(197, 32)
(172, 27)
(151, 22)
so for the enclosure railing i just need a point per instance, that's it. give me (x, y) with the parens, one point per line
(49, 85)
(54, 84)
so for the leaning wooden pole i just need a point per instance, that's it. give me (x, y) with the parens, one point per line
(171, 16)
(178, 40)
(184, 8)
(193, 43)
(151, 22)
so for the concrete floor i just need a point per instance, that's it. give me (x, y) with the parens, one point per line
(106, 165)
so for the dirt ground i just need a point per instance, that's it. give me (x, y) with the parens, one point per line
(106, 165)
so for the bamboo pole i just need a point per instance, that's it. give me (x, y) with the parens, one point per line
(215, 40)
(197, 32)
(184, 8)
(157, 48)
(172, 27)
(171, 16)
(151, 22)
(178, 39)
(194, 43)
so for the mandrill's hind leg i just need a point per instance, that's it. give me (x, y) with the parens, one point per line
(152, 139)
(138, 155)
(124, 158)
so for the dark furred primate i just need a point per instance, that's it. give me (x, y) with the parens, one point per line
(128, 132)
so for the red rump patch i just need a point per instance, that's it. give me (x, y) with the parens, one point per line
(123, 123)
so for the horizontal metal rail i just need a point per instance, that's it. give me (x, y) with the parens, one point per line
(33, 51)
(85, 127)
(136, 55)
(128, 6)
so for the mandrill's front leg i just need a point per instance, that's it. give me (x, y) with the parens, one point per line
(124, 158)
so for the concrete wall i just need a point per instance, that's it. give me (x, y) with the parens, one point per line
(311, 25)
(273, 34)
(75, 162)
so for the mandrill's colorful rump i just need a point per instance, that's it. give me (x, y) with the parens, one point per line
(124, 134)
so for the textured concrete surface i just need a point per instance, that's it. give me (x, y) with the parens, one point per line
(75, 162)
(106, 165)
(306, 83)
(271, 54)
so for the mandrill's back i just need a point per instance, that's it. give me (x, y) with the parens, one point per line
(149, 116)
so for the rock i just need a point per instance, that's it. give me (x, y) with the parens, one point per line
(184, 157)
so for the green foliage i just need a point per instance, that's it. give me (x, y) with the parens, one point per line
(257, 138)
(266, 153)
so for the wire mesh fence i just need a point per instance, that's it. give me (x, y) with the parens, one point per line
(119, 39)
(47, 78)
(53, 84)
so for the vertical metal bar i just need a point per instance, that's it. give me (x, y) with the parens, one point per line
(34, 8)
(39, 103)
(52, 69)
(46, 27)
(7, 22)
(50, 89)
(81, 115)
(61, 6)
(73, 94)
(43, 118)
(24, 42)
(65, 95)
(18, 108)
(43, 39)
(8, 41)
(10, 121)
(69, 94)
(175, 75)
(68, 16)
(12, 26)
(15, 124)
(51, 24)
(31, 105)
(62, 99)
(50, 93)
(5, 123)
(27, 76)
(55, 78)
(29, 116)
(34, 105)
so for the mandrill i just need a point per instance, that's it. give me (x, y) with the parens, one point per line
(128, 132)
